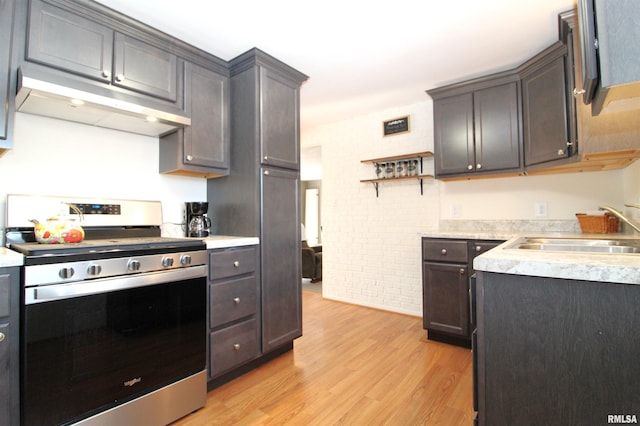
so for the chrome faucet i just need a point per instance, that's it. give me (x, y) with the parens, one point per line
(622, 217)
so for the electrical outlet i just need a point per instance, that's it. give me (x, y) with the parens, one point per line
(540, 208)
(454, 211)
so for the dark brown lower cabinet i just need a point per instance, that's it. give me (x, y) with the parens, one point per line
(446, 272)
(447, 298)
(9, 346)
(556, 351)
(233, 312)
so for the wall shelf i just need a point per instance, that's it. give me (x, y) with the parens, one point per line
(415, 156)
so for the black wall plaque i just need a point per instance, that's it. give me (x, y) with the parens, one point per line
(397, 125)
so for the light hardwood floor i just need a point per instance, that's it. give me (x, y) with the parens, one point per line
(352, 366)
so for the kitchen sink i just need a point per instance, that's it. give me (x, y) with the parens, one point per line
(614, 246)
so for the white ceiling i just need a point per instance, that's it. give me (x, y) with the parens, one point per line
(362, 56)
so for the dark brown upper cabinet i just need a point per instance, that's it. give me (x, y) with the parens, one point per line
(66, 41)
(549, 120)
(477, 127)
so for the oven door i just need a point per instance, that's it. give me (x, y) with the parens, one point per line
(91, 346)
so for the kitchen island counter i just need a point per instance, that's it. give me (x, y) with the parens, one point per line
(599, 267)
(10, 258)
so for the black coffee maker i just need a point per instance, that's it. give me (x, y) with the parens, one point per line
(197, 223)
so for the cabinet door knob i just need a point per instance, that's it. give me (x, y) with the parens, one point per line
(478, 249)
(462, 271)
(470, 167)
(444, 252)
(189, 157)
(1, 337)
(266, 158)
(561, 152)
(236, 347)
(236, 300)
(236, 264)
(479, 166)
(119, 77)
(266, 172)
(577, 92)
(106, 73)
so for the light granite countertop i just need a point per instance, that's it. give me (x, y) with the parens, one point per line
(601, 267)
(10, 258)
(226, 241)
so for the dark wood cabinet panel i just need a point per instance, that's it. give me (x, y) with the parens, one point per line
(280, 258)
(208, 136)
(447, 269)
(5, 373)
(546, 111)
(445, 250)
(446, 298)
(454, 137)
(280, 120)
(556, 351)
(69, 42)
(201, 149)
(477, 127)
(232, 300)
(233, 308)
(6, 74)
(497, 128)
(146, 69)
(9, 346)
(229, 263)
(261, 197)
(233, 346)
(610, 46)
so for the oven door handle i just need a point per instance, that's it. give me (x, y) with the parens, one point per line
(66, 291)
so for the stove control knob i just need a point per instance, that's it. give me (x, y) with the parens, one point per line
(185, 260)
(65, 273)
(94, 270)
(133, 265)
(167, 262)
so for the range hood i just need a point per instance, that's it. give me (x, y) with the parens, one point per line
(40, 96)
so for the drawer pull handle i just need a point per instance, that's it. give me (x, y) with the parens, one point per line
(236, 264)
(1, 337)
(444, 252)
(236, 347)
(236, 300)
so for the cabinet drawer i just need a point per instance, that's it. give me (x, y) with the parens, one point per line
(229, 263)
(444, 250)
(232, 300)
(479, 247)
(232, 346)
(5, 293)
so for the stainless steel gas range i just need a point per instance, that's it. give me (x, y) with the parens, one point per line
(113, 328)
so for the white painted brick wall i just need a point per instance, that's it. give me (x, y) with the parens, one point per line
(371, 246)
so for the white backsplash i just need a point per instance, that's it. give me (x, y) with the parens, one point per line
(509, 226)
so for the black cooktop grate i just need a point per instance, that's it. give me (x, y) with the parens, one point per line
(103, 246)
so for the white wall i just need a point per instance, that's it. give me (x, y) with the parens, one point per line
(55, 157)
(632, 189)
(371, 246)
